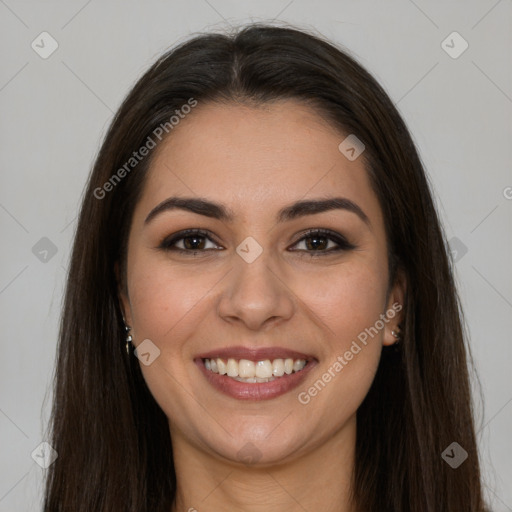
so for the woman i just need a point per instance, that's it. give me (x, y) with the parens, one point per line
(260, 311)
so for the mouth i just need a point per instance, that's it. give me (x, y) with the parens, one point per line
(245, 370)
(258, 374)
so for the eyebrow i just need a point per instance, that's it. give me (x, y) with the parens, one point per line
(219, 211)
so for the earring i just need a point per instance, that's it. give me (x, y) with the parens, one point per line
(128, 338)
(396, 334)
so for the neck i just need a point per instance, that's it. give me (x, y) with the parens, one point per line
(319, 480)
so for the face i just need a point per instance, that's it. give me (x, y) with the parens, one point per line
(268, 281)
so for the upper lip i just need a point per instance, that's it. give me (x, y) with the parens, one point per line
(255, 354)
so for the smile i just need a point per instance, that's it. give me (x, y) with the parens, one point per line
(245, 370)
(257, 374)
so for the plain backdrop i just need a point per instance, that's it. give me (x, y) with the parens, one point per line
(55, 111)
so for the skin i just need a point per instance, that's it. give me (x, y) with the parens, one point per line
(256, 160)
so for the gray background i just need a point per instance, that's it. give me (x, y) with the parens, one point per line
(54, 113)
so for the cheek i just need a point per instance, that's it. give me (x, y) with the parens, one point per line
(153, 299)
(347, 299)
(349, 303)
(349, 306)
(167, 299)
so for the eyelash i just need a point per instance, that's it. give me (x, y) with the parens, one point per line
(343, 244)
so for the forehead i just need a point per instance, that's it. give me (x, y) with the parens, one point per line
(256, 159)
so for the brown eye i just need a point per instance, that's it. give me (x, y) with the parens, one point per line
(317, 241)
(191, 240)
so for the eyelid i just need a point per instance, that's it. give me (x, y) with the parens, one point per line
(328, 233)
(343, 245)
(166, 243)
(338, 238)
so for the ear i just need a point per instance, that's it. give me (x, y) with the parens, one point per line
(395, 309)
(124, 301)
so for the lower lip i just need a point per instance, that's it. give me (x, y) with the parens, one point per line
(256, 390)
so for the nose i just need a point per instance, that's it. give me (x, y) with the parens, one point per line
(256, 294)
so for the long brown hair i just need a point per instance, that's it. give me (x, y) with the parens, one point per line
(112, 439)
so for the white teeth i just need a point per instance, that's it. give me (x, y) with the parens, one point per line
(221, 365)
(297, 365)
(252, 380)
(245, 370)
(278, 367)
(264, 369)
(232, 368)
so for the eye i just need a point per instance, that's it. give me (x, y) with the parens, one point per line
(192, 240)
(316, 242)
